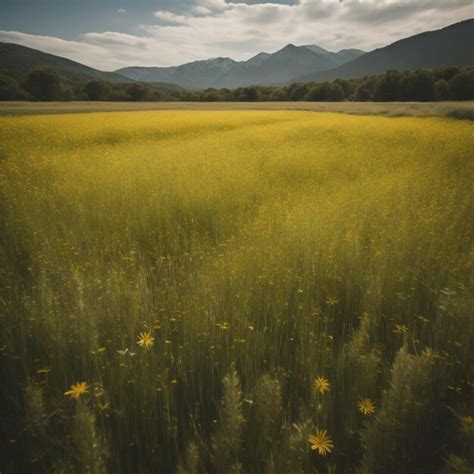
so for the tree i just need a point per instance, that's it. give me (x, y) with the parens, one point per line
(441, 90)
(9, 88)
(44, 84)
(210, 95)
(364, 91)
(345, 86)
(417, 86)
(319, 92)
(387, 87)
(137, 92)
(250, 94)
(461, 86)
(96, 89)
(446, 73)
(297, 91)
(337, 93)
(278, 94)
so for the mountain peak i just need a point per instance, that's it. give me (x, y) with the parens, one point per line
(317, 49)
(289, 47)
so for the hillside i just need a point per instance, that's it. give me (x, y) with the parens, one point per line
(450, 46)
(341, 57)
(20, 59)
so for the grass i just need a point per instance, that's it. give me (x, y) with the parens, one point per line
(461, 110)
(206, 274)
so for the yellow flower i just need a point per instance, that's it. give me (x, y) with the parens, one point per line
(321, 385)
(223, 326)
(77, 390)
(103, 407)
(331, 301)
(321, 442)
(366, 406)
(145, 340)
(468, 425)
(400, 329)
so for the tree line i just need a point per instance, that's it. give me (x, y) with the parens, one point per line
(449, 83)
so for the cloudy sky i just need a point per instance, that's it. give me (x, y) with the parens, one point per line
(109, 34)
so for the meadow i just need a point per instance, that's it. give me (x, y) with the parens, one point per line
(455, 109)
(236, 292)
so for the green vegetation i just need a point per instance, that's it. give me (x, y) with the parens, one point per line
(423, 86)
(239, 291)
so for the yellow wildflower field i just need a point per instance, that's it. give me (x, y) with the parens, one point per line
(198, 271)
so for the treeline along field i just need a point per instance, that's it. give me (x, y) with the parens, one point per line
(245, 291)
(422, 85)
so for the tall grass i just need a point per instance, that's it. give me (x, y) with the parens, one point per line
(256, 251)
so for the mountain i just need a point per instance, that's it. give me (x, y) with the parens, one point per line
(194, 75)
(449, 46)
(284, 65)
(20, 59)
(257, 60)
(264, 69)
(338, 58)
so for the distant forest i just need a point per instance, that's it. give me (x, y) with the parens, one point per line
(450, 83)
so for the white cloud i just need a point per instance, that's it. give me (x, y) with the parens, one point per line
(169, 19)
(213, 28)
(111, 39)
(121, 11)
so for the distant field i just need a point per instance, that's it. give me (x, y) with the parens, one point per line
(227, 290)
(464, 110)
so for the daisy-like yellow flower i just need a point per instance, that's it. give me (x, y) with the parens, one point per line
(77, 389)
(366, 406)
(321, 385)
(321, 442)
(145, 340)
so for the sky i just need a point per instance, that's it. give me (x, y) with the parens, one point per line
(110, 34)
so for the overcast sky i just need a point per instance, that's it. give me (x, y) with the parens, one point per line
(109, 34)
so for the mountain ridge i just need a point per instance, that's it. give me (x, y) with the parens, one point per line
(448, 46)
(437, 48)
(262, 69)
(20, 59)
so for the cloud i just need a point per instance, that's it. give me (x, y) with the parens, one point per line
(121, 11)
(211, 28)
(169, 19)
(111, 38)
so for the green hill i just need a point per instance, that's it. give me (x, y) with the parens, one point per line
(450, 46)
(20, 59)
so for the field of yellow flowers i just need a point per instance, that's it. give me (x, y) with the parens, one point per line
(236, 292)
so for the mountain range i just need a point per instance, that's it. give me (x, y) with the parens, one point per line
(449, 46)
(264, 68)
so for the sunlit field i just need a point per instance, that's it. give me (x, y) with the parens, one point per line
(236, 292)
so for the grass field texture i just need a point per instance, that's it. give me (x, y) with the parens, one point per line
(454, 109)
(236, 291)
